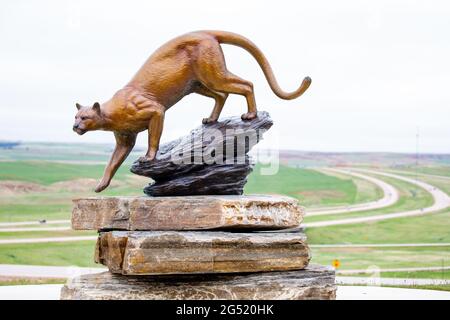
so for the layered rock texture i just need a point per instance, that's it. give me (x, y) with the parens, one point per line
(173, 252)
(211, 160)
(313, 282)
(198, 247)
(186, 213)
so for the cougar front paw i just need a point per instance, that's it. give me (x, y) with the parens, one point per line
(101, 186)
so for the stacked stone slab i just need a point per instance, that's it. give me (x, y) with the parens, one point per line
(198, 247)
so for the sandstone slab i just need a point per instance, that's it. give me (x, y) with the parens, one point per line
(211, 159)
(253, 212)
(171, 252)
(314, 282)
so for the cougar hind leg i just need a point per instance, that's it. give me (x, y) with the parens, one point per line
(211, 71)
(219, 97)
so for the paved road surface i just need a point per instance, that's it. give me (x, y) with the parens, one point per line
(390, 196)
(371, 271)
(30, 271)
(441, 201)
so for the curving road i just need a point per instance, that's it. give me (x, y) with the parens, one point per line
(390, 196)
(441, 201)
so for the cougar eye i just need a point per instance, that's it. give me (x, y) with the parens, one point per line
(83, 118)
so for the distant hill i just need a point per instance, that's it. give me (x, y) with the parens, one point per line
(96, 153)
(308, 159)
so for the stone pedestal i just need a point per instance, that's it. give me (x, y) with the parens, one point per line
(145, 244)
(314, 282)
(261, 212)
(171, 252)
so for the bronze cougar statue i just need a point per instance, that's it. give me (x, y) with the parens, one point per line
(193, 62)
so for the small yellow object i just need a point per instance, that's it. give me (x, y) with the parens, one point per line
(336, 263)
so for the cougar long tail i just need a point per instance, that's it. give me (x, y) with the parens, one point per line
(240, 41)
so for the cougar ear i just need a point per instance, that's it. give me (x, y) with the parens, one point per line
(96, 107)
(78, 106)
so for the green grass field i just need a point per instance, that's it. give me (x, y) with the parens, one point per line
(433, 228)
(422, 229)
(79, 254)
(73, 152)
(45, 234)
(53, 187)
(31, 212)
(362, 258)
(55, 181)
(429, 170)
(311, 187)
(30, 281)
(366, 191)
(46, 173)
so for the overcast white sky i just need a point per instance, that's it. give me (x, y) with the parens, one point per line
(380, 69)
